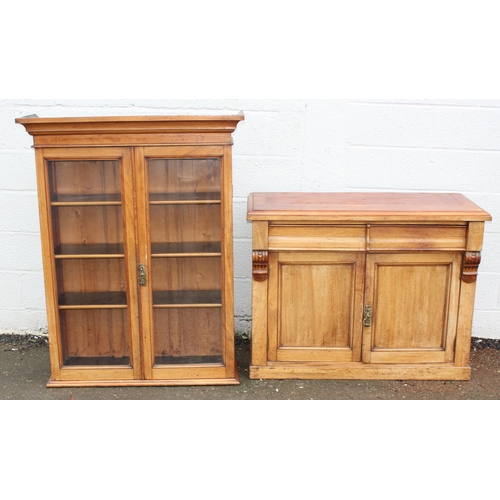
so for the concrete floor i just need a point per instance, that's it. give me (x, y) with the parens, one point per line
(24, 372)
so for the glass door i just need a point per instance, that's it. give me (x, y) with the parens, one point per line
(92, 246)
(185, 254)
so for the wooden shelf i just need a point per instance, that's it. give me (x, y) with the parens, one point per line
(93, 300)
(97, 361)
(184, 198)
(102, 251)
(68, 200)
(188, 249)
(188, 360)
(187, 298)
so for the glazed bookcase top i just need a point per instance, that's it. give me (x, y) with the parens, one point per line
(131, 130)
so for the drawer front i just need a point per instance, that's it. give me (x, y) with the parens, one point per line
(392, 238)
(298, 237)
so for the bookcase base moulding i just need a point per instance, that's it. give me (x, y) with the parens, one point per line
(363, 285)
(137, 245)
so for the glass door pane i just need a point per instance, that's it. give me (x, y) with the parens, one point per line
(88, 239)
(185, 236)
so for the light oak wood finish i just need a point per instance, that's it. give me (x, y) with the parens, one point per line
(363, 286)
(136, 222)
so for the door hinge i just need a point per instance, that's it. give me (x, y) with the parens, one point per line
(367, 319)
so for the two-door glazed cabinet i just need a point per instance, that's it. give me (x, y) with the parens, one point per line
(363, 285)
(137, 243)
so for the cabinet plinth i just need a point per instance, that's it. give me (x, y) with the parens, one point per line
(136, 225)
(363, 285)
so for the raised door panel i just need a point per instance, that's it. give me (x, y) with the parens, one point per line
(316, 311)
(414, 307)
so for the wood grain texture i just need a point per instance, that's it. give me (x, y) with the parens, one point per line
(358, 371)
(415, 300)
(363, 207)
(97, 333)
(308, 282)
(188, 332)
(423, 238)
(131, 131)
(421, 308)
(119, 192)
(301, 237)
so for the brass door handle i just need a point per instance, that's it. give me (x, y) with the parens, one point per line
(367, 320)
(142, 275)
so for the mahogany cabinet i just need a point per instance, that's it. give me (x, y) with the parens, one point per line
(363, 286)
(136, 224)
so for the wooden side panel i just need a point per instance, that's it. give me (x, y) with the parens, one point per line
(414, 300)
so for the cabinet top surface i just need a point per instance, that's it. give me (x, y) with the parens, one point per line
(444, 207)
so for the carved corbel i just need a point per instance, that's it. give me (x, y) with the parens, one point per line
(471, 266)
(260, 260)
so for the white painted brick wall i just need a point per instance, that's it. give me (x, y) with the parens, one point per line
(283, 145)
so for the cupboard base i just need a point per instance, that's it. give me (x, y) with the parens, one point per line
(145, 383)
(289, 371)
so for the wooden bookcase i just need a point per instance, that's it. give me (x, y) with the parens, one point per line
(136, 224)
(363, 286)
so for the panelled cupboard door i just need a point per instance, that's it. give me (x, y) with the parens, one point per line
(87, 216)
(414, 300)
(185, 258)
(315, 306)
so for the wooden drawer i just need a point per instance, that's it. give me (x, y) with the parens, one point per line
(419, 237)
(304, 237)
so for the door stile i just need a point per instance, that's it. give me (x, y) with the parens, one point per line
(227, 262)
(50, 277)
(453, 308)
(357, 306)
(273, 319)
(128, 210)
(143, 245)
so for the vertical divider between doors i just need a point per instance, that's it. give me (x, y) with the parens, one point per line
(142, 235)
(128, 210)
(369, 299)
